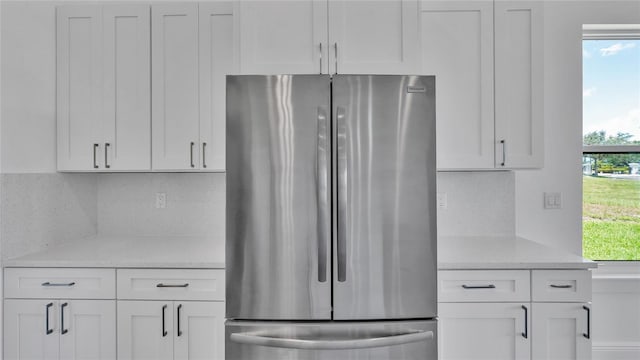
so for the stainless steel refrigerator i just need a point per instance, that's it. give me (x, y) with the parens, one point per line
(331, 218)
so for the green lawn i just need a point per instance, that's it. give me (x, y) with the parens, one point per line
(611, 218)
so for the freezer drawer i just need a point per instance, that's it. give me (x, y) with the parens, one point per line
(385, 340)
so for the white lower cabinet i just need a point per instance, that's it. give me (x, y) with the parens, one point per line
(145, 330)
(487, 314)
(59, 329)
(166, 314)
(491, 331)
(167, 330)
(562, 331)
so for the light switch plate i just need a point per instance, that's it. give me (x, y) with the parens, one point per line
(553, 200)
(442, 201)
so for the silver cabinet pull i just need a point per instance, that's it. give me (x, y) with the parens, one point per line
(342, 193)
(164, 330)
(58, 284)
(525, 334)
(473, 287)
(95, 160)
(324, 209)
(191, 154)
(204, 154)
(254, 338)
(335, 53)
(504, 152)
(320, 46)
(161, 285)
(106, 152)
(62, 329)
(561, 286)
(588, 333)
(179, 331)
(47, 329)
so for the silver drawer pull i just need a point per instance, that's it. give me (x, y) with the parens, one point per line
(561, 286)
(473, 287)
(161, 285)
(58, 284)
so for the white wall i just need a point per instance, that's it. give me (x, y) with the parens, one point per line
(563, 123)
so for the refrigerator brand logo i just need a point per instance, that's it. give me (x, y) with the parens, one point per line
(416, 89)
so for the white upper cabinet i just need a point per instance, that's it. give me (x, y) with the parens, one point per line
(373, 37)
(193, 50)
(79, 86)
(519, 84)
(175, 110)
(127, 97)
(487, 58)
(111, 57)
(329, 36)
(218, 58)
(457, 47)
(103, 89)
(283, 37)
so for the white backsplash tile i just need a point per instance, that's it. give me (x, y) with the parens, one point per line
(42, 210)
(195, 204)
(478, 203)
(38, 211)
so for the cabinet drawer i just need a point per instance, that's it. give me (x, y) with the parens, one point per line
(59, 283)
(483, 285)
(171, 284)
(561, 285)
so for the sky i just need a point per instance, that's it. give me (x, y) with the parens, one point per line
(611, 86)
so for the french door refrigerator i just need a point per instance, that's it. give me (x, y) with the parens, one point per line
(331, 227)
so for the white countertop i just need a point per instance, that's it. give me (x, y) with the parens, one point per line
(503, 252)
(130, 251)
(454, 253)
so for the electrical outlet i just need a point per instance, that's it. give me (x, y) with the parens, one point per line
(553, 200)
(442, 201)
(161, 200)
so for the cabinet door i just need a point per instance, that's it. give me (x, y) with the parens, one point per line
(218, 58)
(373, 37)
(560, 331)
(487, 331)
(79, 86)
(127, 88)
(519, 84)
(283, 37)
(457, 47)
(87, 329)
(174, 64)
(199, 331)
(31, 329)
(145, 330)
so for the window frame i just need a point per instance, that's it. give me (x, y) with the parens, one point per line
(610, 32)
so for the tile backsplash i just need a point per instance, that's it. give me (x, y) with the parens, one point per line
(195, 204)
(42, 210)
(38, 211)
(478, 203)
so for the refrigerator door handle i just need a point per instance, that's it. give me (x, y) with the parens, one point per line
(323, 193)
(262, 339)
(342, 193)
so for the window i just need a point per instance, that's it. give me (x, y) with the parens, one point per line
(611, 142)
